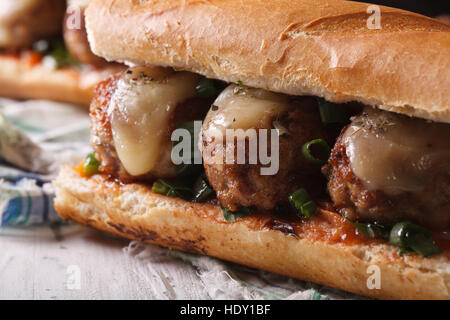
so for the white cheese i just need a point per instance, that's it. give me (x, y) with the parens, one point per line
(397, 154)
(244, 108)
(140, 111)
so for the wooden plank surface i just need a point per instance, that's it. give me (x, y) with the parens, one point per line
(45, 263)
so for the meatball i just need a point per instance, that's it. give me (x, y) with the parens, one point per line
(77, 42)
(387, 168)
(239, 184)
(186, 108)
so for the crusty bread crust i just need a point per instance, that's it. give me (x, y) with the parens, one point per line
(19, 80)
(134, 212)
(299, 47)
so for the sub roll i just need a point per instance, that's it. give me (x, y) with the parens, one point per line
(312, 145)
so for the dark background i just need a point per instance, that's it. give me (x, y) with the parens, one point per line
(430, 8)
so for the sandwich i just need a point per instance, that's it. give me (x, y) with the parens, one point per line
(35, 62)
(283, 135)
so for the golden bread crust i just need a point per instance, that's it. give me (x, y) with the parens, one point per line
(134, 212)
(298, 47)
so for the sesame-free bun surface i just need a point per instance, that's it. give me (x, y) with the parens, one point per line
(134, 212)
(20, 80)
(299, 47)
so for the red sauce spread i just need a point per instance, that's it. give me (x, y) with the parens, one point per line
(331, 227)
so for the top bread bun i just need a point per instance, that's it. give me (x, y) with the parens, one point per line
(299, 47)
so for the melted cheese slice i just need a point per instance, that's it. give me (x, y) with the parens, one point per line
(140, 110)
(395, 153)
(244, 108)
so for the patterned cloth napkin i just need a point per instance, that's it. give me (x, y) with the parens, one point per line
(36, 137)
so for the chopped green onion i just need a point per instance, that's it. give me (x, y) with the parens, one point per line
(202, 189)
(189, 169)
(333, 113)
(372, 230)
(177, 190)
(160, 186)
(411, 237)
(365, 228)
(308, 209)
(209, 88)
(57, 50)
(62, 57)
(90, 165)
(231, 216)
(199, 191)
(321, 147)
(191, 183)
(303, 204)
(381, 230)
(403, 251)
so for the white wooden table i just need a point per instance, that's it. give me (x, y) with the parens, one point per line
(73, 262)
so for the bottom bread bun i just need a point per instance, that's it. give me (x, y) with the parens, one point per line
(320, 250)
(20, 79)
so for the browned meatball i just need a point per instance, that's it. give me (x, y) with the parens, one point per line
(77, 43)
(238, 185)
(102, 140)
(387, 168)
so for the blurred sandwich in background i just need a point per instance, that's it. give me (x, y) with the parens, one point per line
(44, 52)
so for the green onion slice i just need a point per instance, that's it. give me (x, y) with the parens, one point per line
(410, 237)
(160, 187)
(189, 169)
(62, 57)
(365, 228)
(209, 88)
(231, 216)
(303, 204)
(57, 50)
(177, 190)
(90, 165)
(333, 113)
(372, 230)
(318, 146)
(202, 189)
